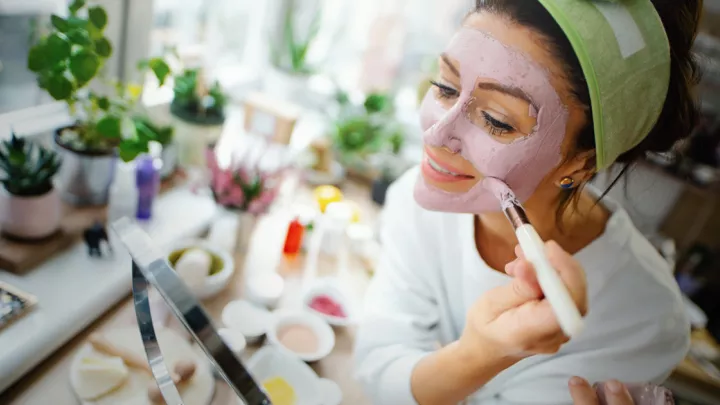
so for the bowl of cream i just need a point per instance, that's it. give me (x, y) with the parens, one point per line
(288, 381)
(203, 267)
(301, 334)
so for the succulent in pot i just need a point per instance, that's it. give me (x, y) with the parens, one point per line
(31, 208)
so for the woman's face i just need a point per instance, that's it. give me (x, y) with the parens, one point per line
(499, 107)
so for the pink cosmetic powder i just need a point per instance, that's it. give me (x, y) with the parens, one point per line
(299, 338)
(521, 164)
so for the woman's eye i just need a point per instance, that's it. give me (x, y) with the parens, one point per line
(496, 127)
(445, 91)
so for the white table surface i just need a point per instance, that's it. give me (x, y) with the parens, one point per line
(73, 289)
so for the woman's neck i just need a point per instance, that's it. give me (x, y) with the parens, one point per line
(581, 224)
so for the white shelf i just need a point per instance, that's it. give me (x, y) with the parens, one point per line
(74, 290)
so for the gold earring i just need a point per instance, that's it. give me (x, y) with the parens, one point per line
(567, 183)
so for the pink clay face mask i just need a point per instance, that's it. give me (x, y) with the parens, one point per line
(522, 163)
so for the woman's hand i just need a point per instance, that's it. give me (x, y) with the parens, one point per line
(583, 394)
(515, 321)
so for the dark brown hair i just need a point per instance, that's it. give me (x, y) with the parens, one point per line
(679, 114)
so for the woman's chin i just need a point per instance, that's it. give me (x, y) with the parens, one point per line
(472, 200)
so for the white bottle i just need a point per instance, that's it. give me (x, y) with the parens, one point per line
(123, 193)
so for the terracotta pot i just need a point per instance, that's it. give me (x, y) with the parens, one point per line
(30, 217)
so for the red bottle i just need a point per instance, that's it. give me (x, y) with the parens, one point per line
(293, 240)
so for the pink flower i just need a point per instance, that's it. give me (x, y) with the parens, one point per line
(235, 196)
(222, 181)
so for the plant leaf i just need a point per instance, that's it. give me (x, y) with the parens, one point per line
(56, 48)
(103, 103)
(79, 36)
(84, 65)
(36, 58)
(76, 6)
(103, 47)
(59, 23)
(160, 68)
(377, 102)
(110, 126)
(59, 87)
(98, 17)
(129, 149)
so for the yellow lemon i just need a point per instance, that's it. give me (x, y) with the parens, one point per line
(279, 391)
(324, 195)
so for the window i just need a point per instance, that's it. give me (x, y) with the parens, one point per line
(23, 105)
(21, 22)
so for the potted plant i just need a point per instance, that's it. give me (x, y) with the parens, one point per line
(31, 206)
(66, 61)
(362, 131)
(244, 188)
(199, 110)
(289, 52)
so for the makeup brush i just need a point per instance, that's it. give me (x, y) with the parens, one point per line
(533, 247)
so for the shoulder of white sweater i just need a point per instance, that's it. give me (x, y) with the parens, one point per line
(627, 275)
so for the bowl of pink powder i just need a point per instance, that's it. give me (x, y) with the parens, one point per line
(302, 334)
(329, 303)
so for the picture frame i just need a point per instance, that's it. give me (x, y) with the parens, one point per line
(14, 304)
(270, 118)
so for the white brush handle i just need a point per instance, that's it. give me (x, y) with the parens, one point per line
(550, 282)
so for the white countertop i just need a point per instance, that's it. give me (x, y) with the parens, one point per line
(73, 289)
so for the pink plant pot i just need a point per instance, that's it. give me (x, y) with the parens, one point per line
(30, 217)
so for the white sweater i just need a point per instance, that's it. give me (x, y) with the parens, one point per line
(431, 273)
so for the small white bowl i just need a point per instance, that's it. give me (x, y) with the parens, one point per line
(269, 362)
(247, 318)
(213, 283)
(265, 289)
(234, 339)
(323, 331)
(327, 289)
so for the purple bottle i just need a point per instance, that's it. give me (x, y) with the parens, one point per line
(147, 180)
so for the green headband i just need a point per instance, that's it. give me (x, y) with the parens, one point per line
(625, 55)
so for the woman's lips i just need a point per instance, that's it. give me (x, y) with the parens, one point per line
(440, 171)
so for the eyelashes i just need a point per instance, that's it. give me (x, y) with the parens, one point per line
(495, 126)
(445, 91)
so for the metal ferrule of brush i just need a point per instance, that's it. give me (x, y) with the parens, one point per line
(516, 215)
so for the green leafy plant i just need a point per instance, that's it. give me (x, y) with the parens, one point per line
(66, 60)
(292, 53)
(369, 129)
(28, 168)
(196, 102)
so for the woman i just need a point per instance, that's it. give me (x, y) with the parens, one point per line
(540, 94)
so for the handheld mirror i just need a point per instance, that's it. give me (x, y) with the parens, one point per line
(151, 268)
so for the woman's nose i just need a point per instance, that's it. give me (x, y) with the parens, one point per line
(445, 131)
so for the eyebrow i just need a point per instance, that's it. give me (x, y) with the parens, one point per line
(450, 65)
(509, 90)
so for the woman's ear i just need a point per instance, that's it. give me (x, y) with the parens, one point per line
(576, 171)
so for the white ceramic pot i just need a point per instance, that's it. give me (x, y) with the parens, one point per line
(192, 141)
(30, 217)
(217, 282)
(286, 86)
